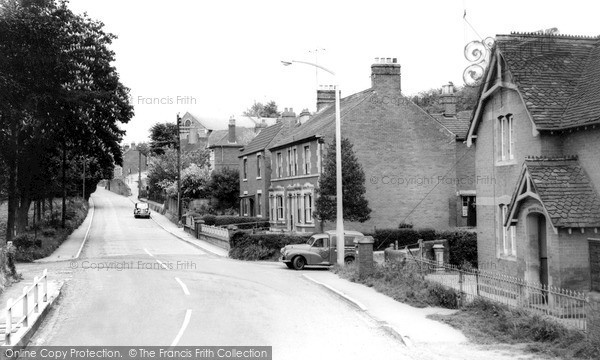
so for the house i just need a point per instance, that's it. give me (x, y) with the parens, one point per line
(255, 165)
(537, 134)
(407, 155)
(458, 123)
(225, 145)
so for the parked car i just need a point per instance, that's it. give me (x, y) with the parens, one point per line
(141, 210)
(320, 249)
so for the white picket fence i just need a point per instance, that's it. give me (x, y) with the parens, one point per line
(214, 231)
(30, 303)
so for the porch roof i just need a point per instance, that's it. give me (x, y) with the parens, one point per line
(564, 189)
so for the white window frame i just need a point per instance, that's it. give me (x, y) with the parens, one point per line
(306, 159)
(258, 166)
(509, 234)
(278, 161)
(277, 199)
(308, 207)
(245, 168)
(259, 205)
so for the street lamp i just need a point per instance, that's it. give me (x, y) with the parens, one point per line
(339, 229)
(178, 168)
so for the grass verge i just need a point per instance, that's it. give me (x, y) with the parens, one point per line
(41, 240)
(485, 322)
(402, 283)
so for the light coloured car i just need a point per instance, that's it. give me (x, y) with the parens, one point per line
(320, 249)
(141, 210)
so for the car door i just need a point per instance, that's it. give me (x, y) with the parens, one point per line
(320, 251)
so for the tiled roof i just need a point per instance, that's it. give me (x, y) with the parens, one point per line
(220, 137)
(458, 124)
(323, 122)
(558, 77)
(566, 191)
(262, 140)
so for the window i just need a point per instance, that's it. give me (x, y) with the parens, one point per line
(289, 162)
(508, 233)
(465, 206)
(294, 162)
(506, 138)
(279, 165)
(245, 206)
(259, 204)
(308, 218)
(271, 208)
(245, 168)
(258, 165)
(307, 159)
(279, 207)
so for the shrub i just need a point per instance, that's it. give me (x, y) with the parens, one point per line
(462, 247)
(240, 221)
(403, 225)
(246, 246)
(23, 241)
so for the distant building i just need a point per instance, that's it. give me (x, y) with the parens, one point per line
(225, 145)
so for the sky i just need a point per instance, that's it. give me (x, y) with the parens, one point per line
(216, 58)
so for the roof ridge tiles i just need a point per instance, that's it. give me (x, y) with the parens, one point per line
(552, 158)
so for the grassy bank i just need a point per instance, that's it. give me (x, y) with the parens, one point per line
(403, 284)
(485, 322)
(40, 240)
(482, 321)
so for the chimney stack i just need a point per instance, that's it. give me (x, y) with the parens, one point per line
(448, 99)
(325, 96)
(232, 138)
(385, 75)
(304, 116)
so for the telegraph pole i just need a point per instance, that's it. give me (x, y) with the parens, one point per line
(139, 172)
(178, 168)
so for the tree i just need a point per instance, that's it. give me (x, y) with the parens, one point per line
(194, 182)
(162, 169)
(356, 207)
(59, 97)
(224, 188)
(163, 135)
(430, 100)
(268, 110)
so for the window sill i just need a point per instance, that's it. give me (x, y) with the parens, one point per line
(506, 162)
(259, 178)
(244, 179)
(506, 257)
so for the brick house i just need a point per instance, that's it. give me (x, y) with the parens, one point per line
(225, 145)
(537, 131)
(407, 155)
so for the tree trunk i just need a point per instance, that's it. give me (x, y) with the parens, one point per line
(23, 215)
(12, 200)
(64, 185)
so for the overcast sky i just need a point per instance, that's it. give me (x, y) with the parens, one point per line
(215, 58)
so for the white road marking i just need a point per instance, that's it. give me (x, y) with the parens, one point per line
(148, 252)
(186, 321)
(88, 229)
(183, 286)
(163, 265)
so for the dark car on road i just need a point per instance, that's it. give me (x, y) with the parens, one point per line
(141, 210)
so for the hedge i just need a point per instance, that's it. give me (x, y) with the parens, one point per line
(241, 222)
(462, 244)
(246, 246)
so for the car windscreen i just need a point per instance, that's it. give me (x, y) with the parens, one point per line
(141, 206)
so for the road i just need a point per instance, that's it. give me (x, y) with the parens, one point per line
(136, 284)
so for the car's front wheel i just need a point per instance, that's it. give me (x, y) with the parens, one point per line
(289, 265)
(349, 260)
(299, 262)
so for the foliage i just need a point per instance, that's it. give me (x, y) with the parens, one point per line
(430, 100)
(162, 169)
(356, 206)
(224, 188)
(402, 283)
(163, 135)
(487, 322)
(61, 102)
(242, 222)
(258, 109)
(194, 182)
(245, 246)
(405, 236)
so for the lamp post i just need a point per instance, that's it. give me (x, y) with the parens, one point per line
(339, 229)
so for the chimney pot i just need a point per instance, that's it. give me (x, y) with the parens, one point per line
(231, 136)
